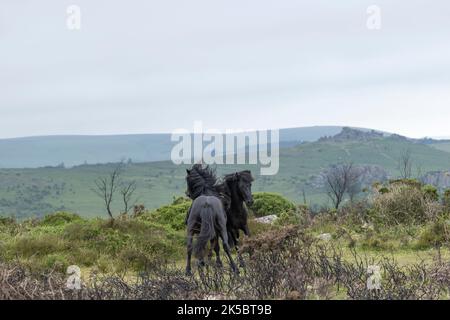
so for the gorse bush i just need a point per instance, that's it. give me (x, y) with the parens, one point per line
(59, 218)
(405, 203)
(270, 203)
(172, 215)
(430, 192)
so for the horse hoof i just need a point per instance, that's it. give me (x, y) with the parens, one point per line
(188, 272)
(219, 264)
(201, 263)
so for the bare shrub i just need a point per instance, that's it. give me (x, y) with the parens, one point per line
(286, 263)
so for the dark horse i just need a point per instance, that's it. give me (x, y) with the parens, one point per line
(239, 188)
(234, 191)
(207, 216)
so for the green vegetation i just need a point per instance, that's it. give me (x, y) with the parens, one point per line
(62, 239)
(173, 215)
(36, 192)
(266, 203)
(404, 221)
(443, 146)
(404, 230)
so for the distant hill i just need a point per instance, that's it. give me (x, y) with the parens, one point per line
(34, 192)
(33, 152)
(44, 151)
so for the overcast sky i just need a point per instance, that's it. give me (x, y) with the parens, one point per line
(155, 66)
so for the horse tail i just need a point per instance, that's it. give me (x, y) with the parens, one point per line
(207, 231)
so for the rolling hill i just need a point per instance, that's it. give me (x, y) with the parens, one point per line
(38, 191)
(33, 152)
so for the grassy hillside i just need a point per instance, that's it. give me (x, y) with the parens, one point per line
(36, 192)
(35, 152)
(443, 146)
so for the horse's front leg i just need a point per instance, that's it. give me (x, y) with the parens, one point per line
(246, 230)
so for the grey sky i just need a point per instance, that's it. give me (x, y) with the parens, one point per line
(154, 66)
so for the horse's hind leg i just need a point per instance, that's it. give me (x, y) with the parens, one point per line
(189, 254)
(210, 252)
(226, 248)
(239, 257)
(217, 250)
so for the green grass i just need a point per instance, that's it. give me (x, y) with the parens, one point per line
(36, 192)
(443, 146)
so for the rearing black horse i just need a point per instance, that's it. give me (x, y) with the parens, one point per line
(207, 216)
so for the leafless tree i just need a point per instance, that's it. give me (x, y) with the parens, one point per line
(107, 186)
(340, 179)
(405, 164)
(126, 191)
(354, 188)
(304, 196)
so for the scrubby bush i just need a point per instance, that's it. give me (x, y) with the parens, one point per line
(413, 183)
(266, 203)
(430, 192)
(29, 245)
(61, 239)
(299, 216)
(172, 215)
(405, 203)
(6, 221)
(446, 200)
(434, 234)
(354, 213)
(59, 218)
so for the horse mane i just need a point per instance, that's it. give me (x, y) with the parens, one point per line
(245, 175)
(201, 180)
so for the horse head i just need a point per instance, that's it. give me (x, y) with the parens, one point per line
(242, 182)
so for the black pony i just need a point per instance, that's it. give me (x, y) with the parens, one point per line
(234, 191)
(239, 189)
(207, 216)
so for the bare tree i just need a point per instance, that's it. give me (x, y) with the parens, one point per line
(304, 196)
(127, 190)
(405, 164)
(107, 186)
(339, 180)
(354, 188)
